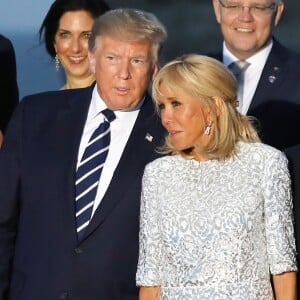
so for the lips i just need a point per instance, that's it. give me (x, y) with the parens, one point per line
(244, 30)
(77, 59)
(122, 90)
(173, 132)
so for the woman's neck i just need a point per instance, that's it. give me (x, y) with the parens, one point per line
(75, 83)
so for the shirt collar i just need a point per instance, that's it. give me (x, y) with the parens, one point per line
(258, 59)
(97, 105)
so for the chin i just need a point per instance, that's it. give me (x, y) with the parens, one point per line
(82, 74)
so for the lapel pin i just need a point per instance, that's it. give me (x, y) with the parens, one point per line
(272, 78)
(149, 137)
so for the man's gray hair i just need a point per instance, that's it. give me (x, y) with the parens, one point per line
(130, 25)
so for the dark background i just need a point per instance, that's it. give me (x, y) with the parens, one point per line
(192, 26)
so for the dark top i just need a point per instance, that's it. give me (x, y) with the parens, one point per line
(9, 96)
(276, 101)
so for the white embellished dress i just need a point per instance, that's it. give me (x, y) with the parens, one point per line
(215, 230)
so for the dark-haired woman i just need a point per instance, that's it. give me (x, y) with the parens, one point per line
(66, 30)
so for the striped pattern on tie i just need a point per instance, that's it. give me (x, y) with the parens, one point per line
(89, 172)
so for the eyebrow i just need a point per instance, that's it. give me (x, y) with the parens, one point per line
(66, 30)
(140, 56)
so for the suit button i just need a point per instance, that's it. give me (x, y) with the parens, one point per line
(63, 295)
(78, 250)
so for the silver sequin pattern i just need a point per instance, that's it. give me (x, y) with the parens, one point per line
(216, 229)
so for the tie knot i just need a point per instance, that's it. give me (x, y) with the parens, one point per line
(109, 114)
(239, 66)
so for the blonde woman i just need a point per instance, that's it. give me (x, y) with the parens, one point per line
(216, 214)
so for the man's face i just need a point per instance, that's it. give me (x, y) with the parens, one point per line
(247, 29)
(123, 71)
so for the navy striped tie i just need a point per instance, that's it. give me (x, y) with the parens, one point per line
(89, 172)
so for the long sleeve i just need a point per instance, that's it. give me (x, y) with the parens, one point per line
(9, 198)
(279, 215)
(150, 251)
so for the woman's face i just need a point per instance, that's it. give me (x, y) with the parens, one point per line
(71, 42)
(184, 118)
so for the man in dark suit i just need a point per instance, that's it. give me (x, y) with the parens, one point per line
(42, 252)
(9, 96)
(271, 91)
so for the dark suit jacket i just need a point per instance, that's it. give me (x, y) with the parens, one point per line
(9, 97)
(293, 155)
(37, 223)
(276, 102)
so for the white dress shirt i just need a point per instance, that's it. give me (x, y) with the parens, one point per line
(120, 128)
(252, 74)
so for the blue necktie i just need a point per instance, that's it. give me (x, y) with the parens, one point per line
(89, 171)
(238, 68)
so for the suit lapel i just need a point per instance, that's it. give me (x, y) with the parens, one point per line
(138, 151)
(69, 126)
(271, 77)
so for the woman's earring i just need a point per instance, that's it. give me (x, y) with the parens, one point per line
(57, 66)
(208, 128)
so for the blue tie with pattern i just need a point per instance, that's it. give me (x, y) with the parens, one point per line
(89, 172)
(238, 69)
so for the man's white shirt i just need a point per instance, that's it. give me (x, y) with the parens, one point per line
(120, 128)
(252, 73)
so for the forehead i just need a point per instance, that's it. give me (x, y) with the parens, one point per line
(76, 18)
(252, 2)
(118, 44)
(170, 91)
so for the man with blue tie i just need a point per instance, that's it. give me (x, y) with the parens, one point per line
(71, 168)
(268, 85)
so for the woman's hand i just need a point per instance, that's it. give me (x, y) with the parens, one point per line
(285, 286)
(149, 293)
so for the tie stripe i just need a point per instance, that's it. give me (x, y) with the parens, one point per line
(90, 163)
(94, 143)
(85, 192)
(89, 171)
(84, 176)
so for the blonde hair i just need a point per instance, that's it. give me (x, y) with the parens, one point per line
(130, 25)
(209, 81)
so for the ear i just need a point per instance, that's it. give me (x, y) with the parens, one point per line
(55, 48)
(217, 10)
(219, 104)
(155, 70)
(278, 13)
(92, 62)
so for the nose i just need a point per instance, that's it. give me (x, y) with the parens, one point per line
(245, 14)
(75, 45)
(166, 117)
(124, 70)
